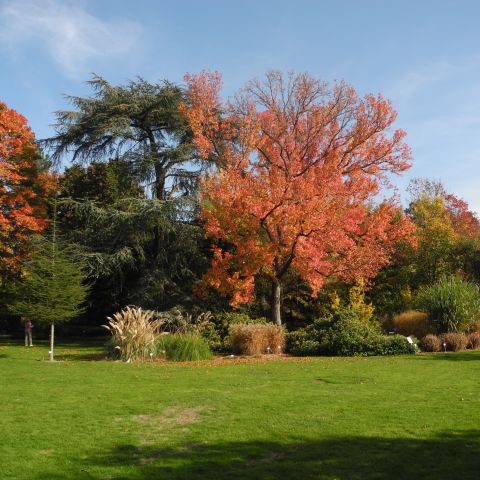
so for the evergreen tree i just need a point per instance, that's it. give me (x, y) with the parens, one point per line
(139, 123)
(102, 182)
(53, 286)
(138, 251)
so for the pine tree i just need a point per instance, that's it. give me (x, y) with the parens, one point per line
(53, 287)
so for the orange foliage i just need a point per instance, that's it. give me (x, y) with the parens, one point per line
(299, 169)
(464, 222)
(22, 209)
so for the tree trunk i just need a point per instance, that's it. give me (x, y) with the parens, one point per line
(159, 182)
(52, 340)
(276, 302)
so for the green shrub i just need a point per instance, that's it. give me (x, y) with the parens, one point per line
(451, 304)
(301, 343)
(455, 342)
(133, 334)
(431, 343)
(176, 320)
(308, 341)
(350, 336)
(393, 345)
(183, 347)
(256, 338)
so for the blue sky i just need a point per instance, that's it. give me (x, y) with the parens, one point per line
(423, 55)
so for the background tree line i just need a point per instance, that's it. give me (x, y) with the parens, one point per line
(129, 204)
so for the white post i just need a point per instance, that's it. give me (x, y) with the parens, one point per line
(52, 335)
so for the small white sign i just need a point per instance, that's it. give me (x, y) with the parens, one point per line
(409, 340)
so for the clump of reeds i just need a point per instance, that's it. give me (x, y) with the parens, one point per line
(133, 333)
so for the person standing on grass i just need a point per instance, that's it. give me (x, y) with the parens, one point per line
(27, 325)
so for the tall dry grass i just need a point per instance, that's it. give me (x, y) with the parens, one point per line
(256, 339)
(412, 322)
(473, 341)
(455, 342)
(133, 333)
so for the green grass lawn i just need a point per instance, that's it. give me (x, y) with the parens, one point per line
(326, 418)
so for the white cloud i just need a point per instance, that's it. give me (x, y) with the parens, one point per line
(75, 39)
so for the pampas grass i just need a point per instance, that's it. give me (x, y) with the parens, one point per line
(133, 333)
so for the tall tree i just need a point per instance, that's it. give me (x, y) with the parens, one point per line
(24, 185)
(446, 231)
(138, 251)
(104, 183)
(53, 286)
(139, 123)
(301, 166)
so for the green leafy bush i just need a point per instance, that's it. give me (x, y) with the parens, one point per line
(393, 345)
(301, 343)
(350, 336)
(345, 334)
(183, 347)
(451, 304)
(256, 338)
(308, 341)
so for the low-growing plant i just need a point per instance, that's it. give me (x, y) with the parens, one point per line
(349, 336)
(473, 341)
(176, 320)
(451, 304)
(455, 342)
(133, 333)
(256, 339)
(308, 341)
(183, 347)
(300, 343)
(431, 343)
(393, 345)
(411, 322)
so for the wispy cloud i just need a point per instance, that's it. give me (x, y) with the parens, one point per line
(439, 105)
(415, 82)
(74, 38)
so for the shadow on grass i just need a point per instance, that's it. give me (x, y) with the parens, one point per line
(450, 456)
(466, 356)
(81, 357)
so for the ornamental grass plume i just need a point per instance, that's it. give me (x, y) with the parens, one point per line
(133, 333)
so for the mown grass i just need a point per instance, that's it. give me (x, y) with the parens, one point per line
(326, 418)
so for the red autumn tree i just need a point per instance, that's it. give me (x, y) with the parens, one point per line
(464, 222)
(22, 189)
(300, 166)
